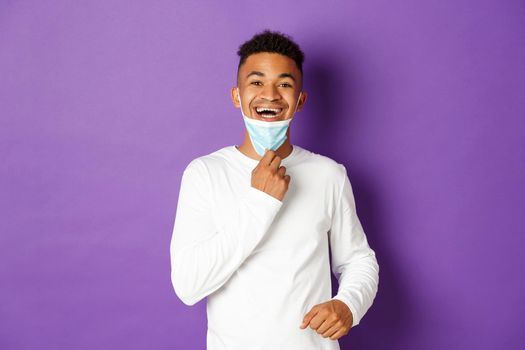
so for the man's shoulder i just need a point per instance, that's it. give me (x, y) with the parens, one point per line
(320, 162)
(212, 159)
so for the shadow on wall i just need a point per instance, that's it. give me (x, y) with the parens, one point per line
(335, 101)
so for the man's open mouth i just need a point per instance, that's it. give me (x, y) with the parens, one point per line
(269, 113)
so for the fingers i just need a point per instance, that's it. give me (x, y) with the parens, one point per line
(308, 317)
(271, 158)
(319, 322)
(326, 331)
(268, 156)
(342, 331)
(276, 161)
(327, 324)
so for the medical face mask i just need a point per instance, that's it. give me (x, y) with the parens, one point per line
(269, 135)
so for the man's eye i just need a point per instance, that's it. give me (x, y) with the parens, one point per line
(256, 82)
(286, 84)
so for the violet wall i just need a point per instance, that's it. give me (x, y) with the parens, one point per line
(103, 103)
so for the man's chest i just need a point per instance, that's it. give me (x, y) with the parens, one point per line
(303, 220)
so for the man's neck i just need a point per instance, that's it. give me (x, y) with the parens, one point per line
(247, 148)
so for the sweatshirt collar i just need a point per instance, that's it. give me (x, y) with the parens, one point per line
(253, 162)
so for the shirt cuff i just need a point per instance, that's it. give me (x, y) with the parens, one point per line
(264, 204)
(355, 317)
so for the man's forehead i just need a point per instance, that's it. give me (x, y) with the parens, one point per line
(269, 65)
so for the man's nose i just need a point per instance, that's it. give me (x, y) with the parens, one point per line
(270, 92)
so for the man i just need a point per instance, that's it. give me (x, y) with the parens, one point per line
(255, 222)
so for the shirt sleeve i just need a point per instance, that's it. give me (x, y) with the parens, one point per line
(353, 262)
(203, 257)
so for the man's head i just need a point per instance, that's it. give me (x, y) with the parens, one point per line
(268, 41)
(269, 75)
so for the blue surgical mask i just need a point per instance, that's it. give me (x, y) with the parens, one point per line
(269, 135)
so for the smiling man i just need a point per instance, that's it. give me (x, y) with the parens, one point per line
(255, 223)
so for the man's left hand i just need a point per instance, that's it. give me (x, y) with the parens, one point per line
(330, 319)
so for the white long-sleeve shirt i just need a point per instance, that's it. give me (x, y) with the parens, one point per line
(263, 263)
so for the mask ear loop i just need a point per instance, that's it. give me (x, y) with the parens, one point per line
(240, 102)
(297, 104)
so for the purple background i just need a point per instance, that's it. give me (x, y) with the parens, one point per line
(104, 103)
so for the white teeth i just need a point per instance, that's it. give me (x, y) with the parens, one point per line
(262, 109)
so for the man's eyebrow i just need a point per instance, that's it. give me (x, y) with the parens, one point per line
(287, 75)
(261, 74)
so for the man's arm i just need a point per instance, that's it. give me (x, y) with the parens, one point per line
(353, 262)
(204, 257)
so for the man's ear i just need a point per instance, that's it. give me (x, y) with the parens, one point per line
(235, 97)
(302, 100)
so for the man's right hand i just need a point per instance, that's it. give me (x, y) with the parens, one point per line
(269, 177)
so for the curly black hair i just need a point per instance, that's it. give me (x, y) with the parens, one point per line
(271, 41)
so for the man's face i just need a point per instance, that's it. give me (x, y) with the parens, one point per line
(269, 80)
